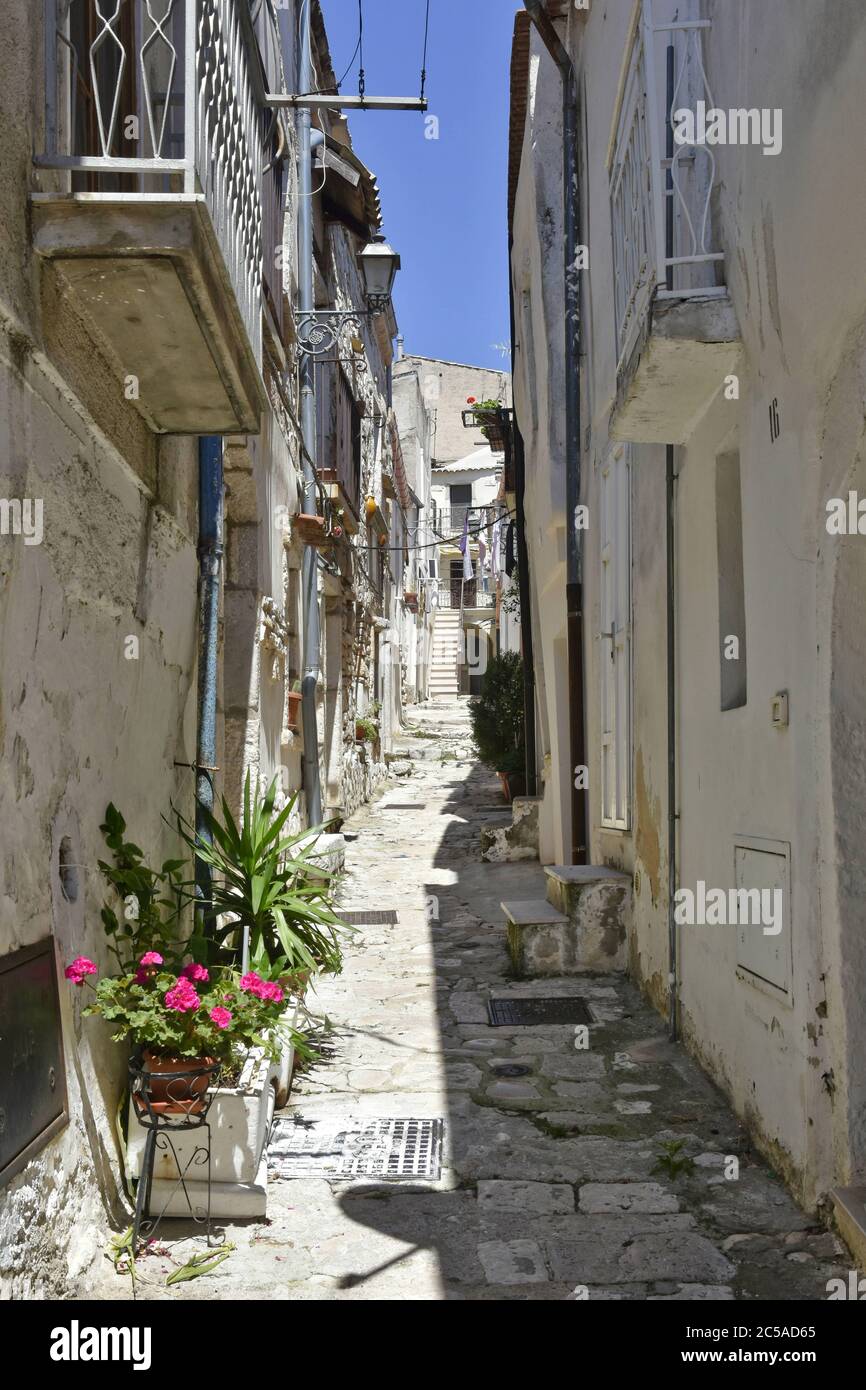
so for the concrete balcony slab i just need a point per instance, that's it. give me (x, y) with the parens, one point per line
(687, 349)
(148, 274)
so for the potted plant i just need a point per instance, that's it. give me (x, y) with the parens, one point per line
(188, 1005)
(311, 529)
(186, 1027)
(266, 885)
(488, 415)
(497, 721)
(367, 725)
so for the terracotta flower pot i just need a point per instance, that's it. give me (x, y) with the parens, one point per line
(175, 1085)
(503, 782)
(311, 529)
(294, 698)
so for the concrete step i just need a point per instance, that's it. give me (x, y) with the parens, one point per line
(597, 902)
(537, 938)
(850, 1208)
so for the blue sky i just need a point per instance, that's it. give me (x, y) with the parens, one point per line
(444, 200)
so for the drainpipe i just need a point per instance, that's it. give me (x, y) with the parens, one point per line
(670, 543)
(310, 566)
(210, 551)
(516, 446)
(573, 557)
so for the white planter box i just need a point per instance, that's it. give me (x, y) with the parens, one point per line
(240, 1119)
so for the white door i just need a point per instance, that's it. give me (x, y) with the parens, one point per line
(615, 640)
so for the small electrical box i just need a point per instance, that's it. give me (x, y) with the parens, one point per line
(779, 707)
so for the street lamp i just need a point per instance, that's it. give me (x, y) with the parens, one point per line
(379, 264)
(319, 329)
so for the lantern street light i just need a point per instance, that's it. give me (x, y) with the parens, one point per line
(319, 329)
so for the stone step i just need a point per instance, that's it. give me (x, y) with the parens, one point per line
(597, 902)
(850, 1207)
(538, 938)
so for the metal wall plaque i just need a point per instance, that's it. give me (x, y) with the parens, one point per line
(32, 1074)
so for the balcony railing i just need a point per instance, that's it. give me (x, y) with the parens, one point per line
(449, 522)
(162, 100)
(463, 594)
(660, 193)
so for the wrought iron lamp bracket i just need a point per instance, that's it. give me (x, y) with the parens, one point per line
(319, 329)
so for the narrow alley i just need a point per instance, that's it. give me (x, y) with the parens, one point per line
(549, 1188)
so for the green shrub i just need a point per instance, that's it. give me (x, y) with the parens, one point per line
(497, 715)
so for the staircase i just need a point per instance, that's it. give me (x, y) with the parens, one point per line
(582, 924)
(444, 677)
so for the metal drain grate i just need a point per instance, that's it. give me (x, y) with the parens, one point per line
(404, 806)
(527, 1011)
(355, 1148)
(369, 916)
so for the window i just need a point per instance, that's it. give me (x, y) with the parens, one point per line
(732, 598)
(348, 443)
(461, 500)
(615, 640)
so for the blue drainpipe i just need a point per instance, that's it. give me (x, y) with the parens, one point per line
(210, 552)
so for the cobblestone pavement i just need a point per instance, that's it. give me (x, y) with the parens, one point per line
(548, 1189)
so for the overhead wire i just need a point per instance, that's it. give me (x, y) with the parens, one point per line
(424, 58)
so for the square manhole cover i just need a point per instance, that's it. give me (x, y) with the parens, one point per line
(377, 1148)
(529, 1010)
(368, 916)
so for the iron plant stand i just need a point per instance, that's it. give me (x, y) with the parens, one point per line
(189, 1112)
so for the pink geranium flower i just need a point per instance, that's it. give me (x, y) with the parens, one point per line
(80, 968)
(262, 989)
(193, 971)
(221, 1017)
(182, 997)
(271, 993)
(151, 958)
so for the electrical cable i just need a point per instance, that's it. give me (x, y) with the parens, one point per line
(362, 85)
(432, 545)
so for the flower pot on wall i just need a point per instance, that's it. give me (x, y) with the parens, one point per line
(503, 782)
(295, 699)
(310, 529)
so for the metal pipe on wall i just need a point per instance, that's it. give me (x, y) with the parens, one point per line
(210, 552)
(670, 542)
(306, 304)
(573, 557)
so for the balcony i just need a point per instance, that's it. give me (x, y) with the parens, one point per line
(448, 524)
(676, 330)
(160, 197)
(464, 596)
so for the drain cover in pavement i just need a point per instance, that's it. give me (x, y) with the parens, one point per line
(355, 1148)
(530, 1010)
(371, 916)
(404, 806)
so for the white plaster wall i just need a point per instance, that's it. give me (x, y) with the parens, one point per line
(795, 270)
(537, 277)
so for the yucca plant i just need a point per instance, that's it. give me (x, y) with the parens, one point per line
(268, 882)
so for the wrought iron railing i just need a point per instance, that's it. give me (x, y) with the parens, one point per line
(449, 522)
(468, 593)
(660, 202)
(163, 99)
